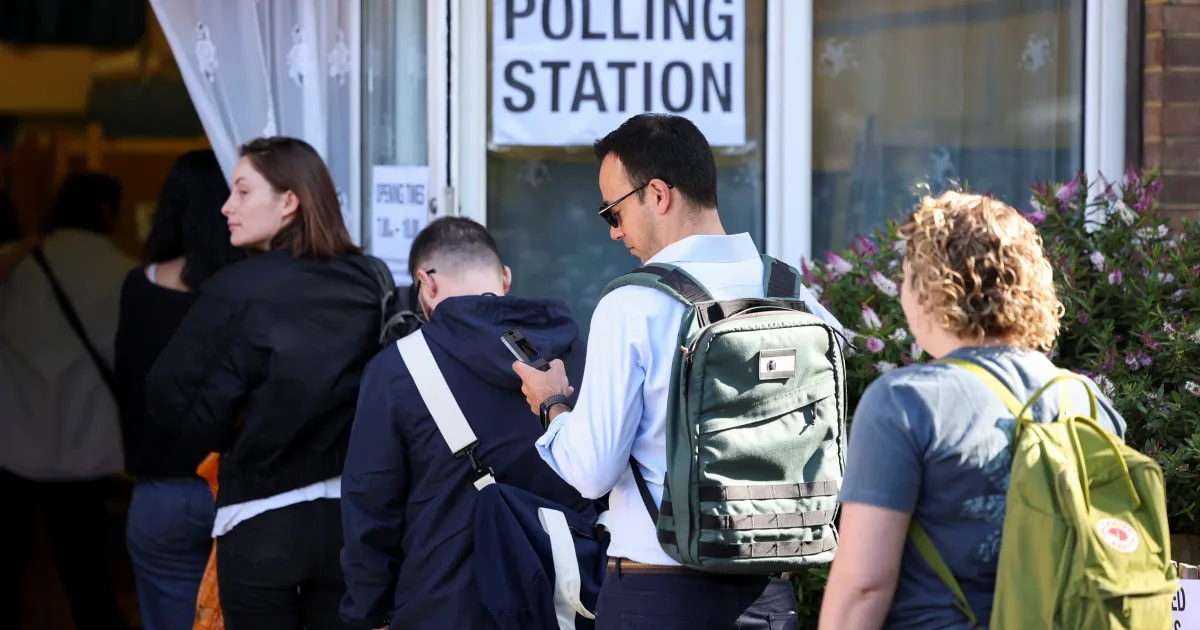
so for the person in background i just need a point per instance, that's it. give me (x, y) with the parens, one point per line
(265, 369)
(408, 503)
(169, 530)
(60, 442)
(931, 442)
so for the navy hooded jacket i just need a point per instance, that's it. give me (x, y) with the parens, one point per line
(408, 505)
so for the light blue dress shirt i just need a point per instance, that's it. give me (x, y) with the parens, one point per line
(622, 404)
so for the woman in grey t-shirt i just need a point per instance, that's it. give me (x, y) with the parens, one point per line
(931, 442)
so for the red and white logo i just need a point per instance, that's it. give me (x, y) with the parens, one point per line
(1117, 534)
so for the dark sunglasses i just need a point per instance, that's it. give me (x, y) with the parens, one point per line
(606, 209)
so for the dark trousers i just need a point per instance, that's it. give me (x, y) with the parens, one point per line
(76, 524)
(169, 538)
(695, 601)
(281, 570)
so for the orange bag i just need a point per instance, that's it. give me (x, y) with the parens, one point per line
(208, 604)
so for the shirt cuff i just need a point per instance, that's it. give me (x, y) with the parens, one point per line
(545, 443)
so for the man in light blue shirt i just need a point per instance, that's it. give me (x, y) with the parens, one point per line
(658, 179)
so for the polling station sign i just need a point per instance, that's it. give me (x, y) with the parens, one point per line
(566, 72)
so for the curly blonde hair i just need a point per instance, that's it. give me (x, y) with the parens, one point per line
(979, 268)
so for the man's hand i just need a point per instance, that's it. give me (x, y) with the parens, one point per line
(538, 385)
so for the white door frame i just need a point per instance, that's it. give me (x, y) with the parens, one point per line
(789, 136)
(788, 232)
(1105, 41)
(468, 107)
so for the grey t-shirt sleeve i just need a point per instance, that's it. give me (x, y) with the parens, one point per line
(884, 462)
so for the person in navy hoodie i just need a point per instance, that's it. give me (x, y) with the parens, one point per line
(407, 503)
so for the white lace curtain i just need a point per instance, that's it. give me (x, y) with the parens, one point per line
(265, 68)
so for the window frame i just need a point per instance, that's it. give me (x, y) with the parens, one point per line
(458, 67)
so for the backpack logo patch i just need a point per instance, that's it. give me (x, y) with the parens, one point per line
(776, 365)
(1117, 534)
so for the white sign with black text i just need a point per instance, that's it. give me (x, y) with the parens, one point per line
(566, 72)
(1185, 608)
(399, 211)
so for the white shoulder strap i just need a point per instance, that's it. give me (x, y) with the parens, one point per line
(451, 422)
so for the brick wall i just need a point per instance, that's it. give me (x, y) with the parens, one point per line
(1171, 108)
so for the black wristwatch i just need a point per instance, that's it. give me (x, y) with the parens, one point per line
(550, 403)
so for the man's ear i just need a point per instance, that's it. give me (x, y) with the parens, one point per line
(506, 277)
(428, 285)
(660, 196)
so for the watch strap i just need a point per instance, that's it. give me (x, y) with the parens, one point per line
(550, 403)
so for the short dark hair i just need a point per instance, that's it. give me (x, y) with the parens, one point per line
(318, 230)
(666, 147)
(188, 222)
(10, 227)
(455, 241)
(86, 201)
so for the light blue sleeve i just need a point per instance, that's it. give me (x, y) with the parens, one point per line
(589, 446)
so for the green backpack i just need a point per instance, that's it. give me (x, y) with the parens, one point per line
(1085, 542)
(756, 428)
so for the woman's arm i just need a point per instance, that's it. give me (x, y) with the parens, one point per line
(197, 386)
(884, 476)
(866, 568)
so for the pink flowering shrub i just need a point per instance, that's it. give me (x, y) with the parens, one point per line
(1129, 285)
(1132, 323)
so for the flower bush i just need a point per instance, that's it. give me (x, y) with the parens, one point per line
(1128, 281)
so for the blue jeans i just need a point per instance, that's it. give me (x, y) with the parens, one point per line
(169, 538)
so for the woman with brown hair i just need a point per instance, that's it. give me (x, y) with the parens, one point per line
(931, 443)
(264, 369)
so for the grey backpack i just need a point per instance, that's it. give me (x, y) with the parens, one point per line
(756, 429)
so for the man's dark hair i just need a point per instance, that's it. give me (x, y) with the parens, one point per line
(666, 147)
(10, 227)
(188, 222)
(457, 243)
(86, 201)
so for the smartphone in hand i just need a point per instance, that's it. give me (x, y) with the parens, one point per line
(523, 350)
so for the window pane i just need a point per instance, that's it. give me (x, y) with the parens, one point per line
(395, 117)
(929, 92)
(542, 201)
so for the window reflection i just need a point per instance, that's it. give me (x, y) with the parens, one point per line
(915, 93)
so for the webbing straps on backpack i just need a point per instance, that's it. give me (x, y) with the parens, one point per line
(780, 281)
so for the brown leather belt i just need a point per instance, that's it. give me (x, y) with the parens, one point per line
(624, 565)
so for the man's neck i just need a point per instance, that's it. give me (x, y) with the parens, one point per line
(706, 223)
(468, 284)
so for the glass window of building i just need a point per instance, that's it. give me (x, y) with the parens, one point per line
(910, 95)
(394, 97)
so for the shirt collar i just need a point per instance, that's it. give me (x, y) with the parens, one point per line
(708, 248)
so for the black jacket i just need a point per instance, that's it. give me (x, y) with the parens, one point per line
(407, 503)
(265, 369)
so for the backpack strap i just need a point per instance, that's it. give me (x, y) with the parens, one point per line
(917, 534)
(929, 552)
(448, 416)
(1016, 407)
(780, 280)
(669, 279)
